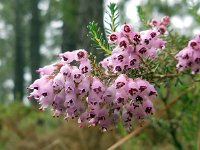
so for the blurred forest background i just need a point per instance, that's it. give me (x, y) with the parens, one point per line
(33, 32)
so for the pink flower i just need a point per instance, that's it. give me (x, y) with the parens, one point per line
(58, 102)
(37, 84)
(121, 98)
(114, 38)
(123, 42)
(148, 107)
(133, 88)
(160, 25)
(162, 29)
(68, 57)
(134, 61)
(77, 75)
(84, 87)
(47, 70)
(71, 89)
(97, 86)
(194, 45)
(58, 82)
(121, 82)
(80, 55)
(46, 94)
(85, 67)
(126, 29)
(109, 94)
(165, 20)
(66, 71)
(69, 86)
(189, 57)
(155, 22)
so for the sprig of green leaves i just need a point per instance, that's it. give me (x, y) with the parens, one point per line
(113, 21)
(98, 38)
(142, 15)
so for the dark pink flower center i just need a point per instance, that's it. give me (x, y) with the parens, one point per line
(139, 99)
(132, 62)
(142, 50)
(142, 88)
(120, 84)
(127, 28)
(123, 44)
(76, 76)
(152, 93)
(193, 44)
(133, 91)
(120, 58)
(118, 68)
(186, 56)
(148, 110)
(146, 41)
(153, 34)
(113, 37)
(65, 58)
(84, 69)
(97, 90)
(120, 100)
(197, 60)
(80, 54)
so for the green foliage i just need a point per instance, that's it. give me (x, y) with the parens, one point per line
(96, 68)
(112, 22)
(180, 9)
(44, 132)
(142, 15)
(122, 11)
(97, 37)
(96, 34)
(24, 127)
(194, 12)
(174, 126)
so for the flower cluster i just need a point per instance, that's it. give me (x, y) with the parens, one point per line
(124, 100)
(59, 81)
(72, 91)
(131, 47)
(160, 25)
(189, 57)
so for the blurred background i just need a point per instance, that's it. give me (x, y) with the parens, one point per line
(33, 32)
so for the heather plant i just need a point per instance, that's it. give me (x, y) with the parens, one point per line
(121, 88)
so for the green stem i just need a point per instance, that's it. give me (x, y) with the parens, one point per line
(165, 76)
(101, 45)
(141, 59)
(176, 142)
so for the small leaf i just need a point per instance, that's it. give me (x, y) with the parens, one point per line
(142, 16)
(97, 37)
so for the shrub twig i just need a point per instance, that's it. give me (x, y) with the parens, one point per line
(139, 129)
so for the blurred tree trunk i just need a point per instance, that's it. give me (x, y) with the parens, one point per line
(69, 28)
(88, 11)
(19, 51)
(76, 16)
(35, 39)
